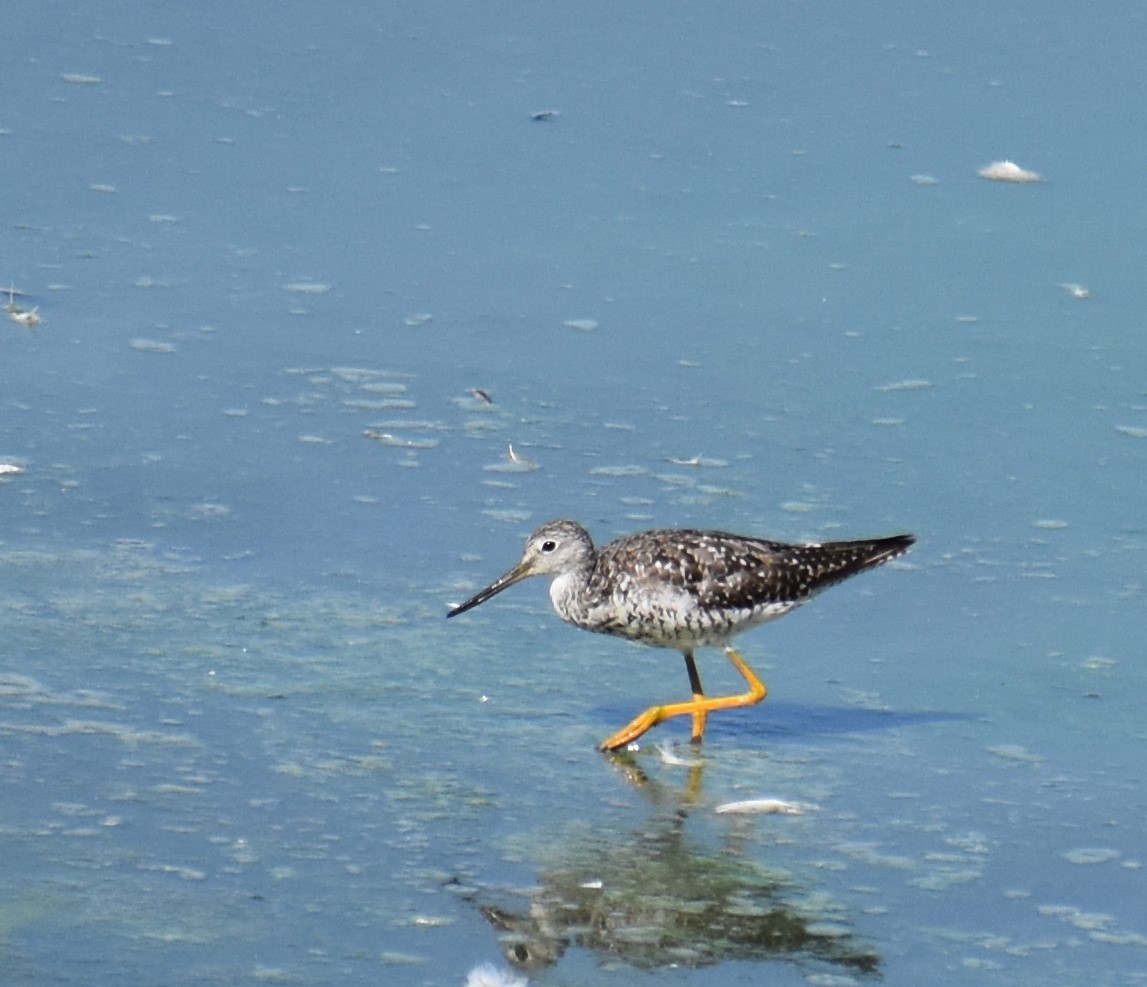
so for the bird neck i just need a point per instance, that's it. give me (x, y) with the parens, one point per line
(566, 593)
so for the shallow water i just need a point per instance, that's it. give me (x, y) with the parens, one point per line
(745, 277)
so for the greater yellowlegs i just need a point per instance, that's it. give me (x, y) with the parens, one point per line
(683, 589)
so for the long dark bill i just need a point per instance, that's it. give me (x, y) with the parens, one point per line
(515, 575)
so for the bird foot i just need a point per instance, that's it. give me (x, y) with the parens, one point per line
(633, 730)
(699, 708)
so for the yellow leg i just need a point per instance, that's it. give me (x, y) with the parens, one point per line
(700, 715)
(698, 707)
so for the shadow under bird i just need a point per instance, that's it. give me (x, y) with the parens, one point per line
(684, 589)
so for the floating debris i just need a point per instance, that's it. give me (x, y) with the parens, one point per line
(397, 958)
(1015, 752)
(384, 387)
(476, 399)
(618, 471)
(1008, 171)
(767, 807)
(514, 462)
(675, 480)
(713, 491)
(905, 385)
(799, 507)
(1091, 855)
(151, 346)
(513, 457)
(1095, 924)
(352, 375)
(408, 425)
(185, 873)
(1119, 938)
(209, 511)
(129, 736)
(700, 462)
(387, 439)
(28, 318)
(382, 404)
(544, 116)
(1075, 290)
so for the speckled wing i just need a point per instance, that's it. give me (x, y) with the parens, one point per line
(731, 572)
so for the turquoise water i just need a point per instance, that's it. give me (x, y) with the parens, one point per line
(742, 274)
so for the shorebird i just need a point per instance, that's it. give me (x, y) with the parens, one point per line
(684, 589)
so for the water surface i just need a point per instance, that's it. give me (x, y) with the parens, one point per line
(741, 273)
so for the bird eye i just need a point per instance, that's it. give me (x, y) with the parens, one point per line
(549, 546)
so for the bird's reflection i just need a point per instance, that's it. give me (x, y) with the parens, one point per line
(658, 897)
